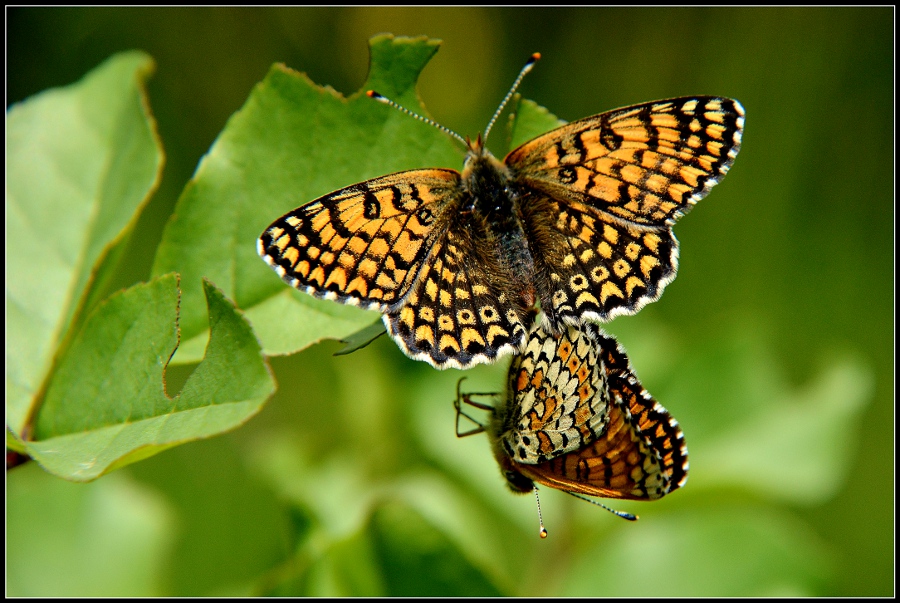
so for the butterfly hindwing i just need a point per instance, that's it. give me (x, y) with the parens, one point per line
(461, 310)
(365, 244)
(592, 268)
(558, 395)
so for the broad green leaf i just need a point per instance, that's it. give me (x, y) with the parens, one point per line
(529, 121)
(292, 142)
(81, 161)
(106, 406)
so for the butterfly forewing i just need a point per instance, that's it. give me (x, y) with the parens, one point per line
(645, 165)
(365, 244)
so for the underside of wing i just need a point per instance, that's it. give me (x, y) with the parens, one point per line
(558, 396)
(640, 456)
(365, 244)
(646, 165)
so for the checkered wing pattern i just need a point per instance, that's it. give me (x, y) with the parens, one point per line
(603, 192)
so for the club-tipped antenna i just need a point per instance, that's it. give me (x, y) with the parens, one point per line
(621, 514)
(528, 67)
(389, 102)
(543, 531)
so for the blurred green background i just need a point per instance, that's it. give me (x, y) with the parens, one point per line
(773, 347)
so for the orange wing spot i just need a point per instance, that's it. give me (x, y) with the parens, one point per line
(426, 314)
(424, 333)
(445, 323)
(632, 251)
(320, 220)
(347, 260)
(714, 116)
(690, 174)
(621, 268)
(385, 282)
(358, 284)
(652, 241)
(479, 289)
(357, 245)
(666, 134)
(408, 316)
(291, 255)
(586, 297)
(469, 336)
(446, 300)
(676, 193)
(604, 250)
(715, 131)
(610, 234)
(648, 263)
(406, 247)
(522, 380)
(609, 289)
(495, 331)
(663, 120)
(448, 341)
(339, 277)
(293, 221)
(368, 268)
(693, 142)
(586, 256)
(657, 183)
(714, 148)
(632, 173)
(317, 275)
(302, 268)
(633, 283)
(313, 252)
(431, 289)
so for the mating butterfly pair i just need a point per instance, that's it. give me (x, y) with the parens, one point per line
(577, 220)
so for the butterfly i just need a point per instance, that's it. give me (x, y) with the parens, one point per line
(577, 220)
(577, 419)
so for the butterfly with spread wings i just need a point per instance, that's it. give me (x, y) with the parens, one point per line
(578, 220)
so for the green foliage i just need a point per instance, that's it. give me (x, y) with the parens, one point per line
(81, 162)
(350, 480)
(86, 389)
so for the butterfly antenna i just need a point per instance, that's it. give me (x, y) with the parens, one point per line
(431, 122)
(528, 66)
(543, 531)
(621, 514)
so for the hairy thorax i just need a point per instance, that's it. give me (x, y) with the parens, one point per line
(491, 196)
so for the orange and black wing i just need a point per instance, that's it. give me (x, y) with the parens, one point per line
(363, 245)
(600, 195)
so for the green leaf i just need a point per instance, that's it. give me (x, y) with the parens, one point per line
(529, 121)
(361, 338)
(107, 407)
(81, 162)
(292, 142)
